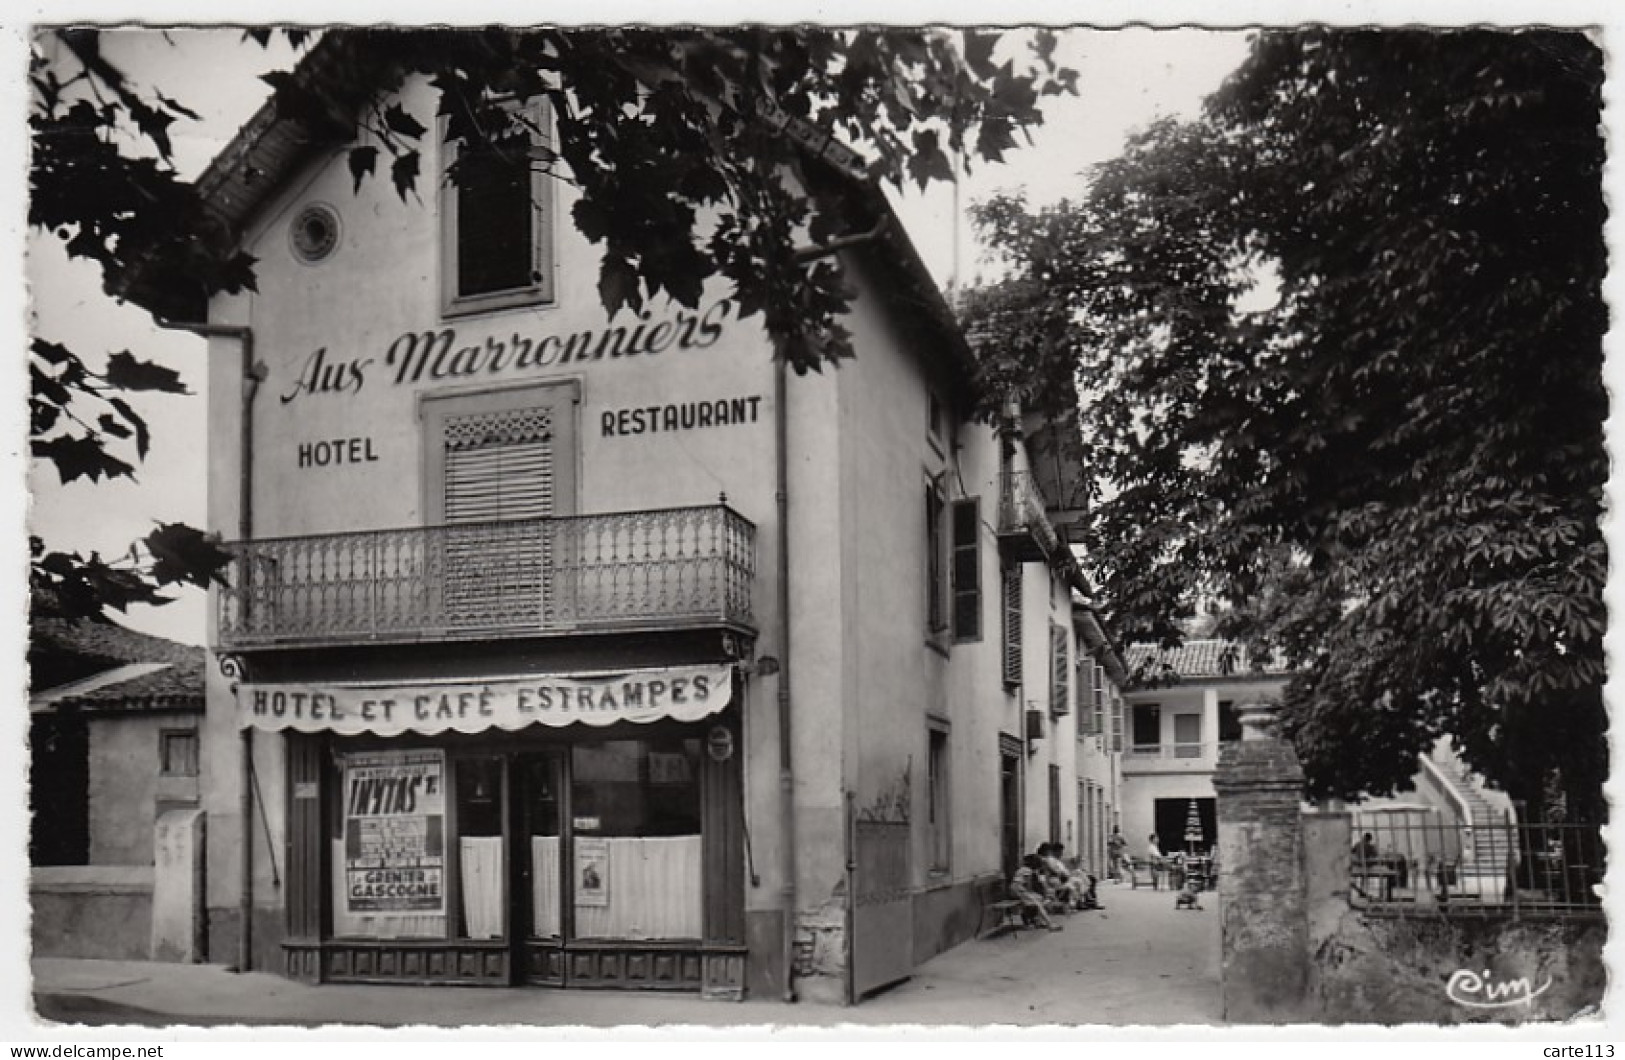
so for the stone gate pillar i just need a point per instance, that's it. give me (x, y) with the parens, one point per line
(1264, 967)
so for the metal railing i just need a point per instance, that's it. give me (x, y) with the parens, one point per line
(526, 577)
(1021, 509)
(1414, 861)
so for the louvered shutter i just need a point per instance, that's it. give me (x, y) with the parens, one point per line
(1059, 666)
(966, 570)
(499, 488)
(1097, 696)
(1012, 625)
(499, 465)
(1117, 725)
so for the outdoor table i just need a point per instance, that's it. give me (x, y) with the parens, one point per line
(1375, 879)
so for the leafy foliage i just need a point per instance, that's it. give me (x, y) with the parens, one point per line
(77, 417)
(1340, 340)
(678, 140)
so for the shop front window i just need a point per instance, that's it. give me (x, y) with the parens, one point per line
(636, 863)
(479, 846)
(387, 830)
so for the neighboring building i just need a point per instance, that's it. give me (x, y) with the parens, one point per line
(1174, 730)
(598, 653)
(113, 745)
(1177, 725)
(1101, 676)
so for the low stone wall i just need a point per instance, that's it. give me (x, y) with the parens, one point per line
(96, 911)
(1371, 967)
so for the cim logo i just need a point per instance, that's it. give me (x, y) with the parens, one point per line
(1480, 990)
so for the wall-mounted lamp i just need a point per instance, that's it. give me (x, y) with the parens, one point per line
(766, 666)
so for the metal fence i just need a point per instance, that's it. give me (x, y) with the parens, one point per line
(1408, 862)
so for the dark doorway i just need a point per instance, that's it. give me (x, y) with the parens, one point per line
(1172, 816)
(59, 790)
(1009, 810)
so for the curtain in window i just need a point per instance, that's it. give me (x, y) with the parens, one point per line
(482, 886)
(544, 881)
(653, 889)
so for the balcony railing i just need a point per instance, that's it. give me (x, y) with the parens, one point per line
(1171, 758)
(1022, 521)
(1162, 751)
(674, 568)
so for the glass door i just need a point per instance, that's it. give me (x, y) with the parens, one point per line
(540, 883)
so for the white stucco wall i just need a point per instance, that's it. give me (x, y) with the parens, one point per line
(865, 684)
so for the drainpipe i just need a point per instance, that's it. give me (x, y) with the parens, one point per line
(252, 375)
(787, 780)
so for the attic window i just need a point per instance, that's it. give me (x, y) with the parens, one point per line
(496, 219)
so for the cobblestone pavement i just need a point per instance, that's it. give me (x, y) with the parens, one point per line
(1138, 962)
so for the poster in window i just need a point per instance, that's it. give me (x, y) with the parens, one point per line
(394, 832)
(592, 871)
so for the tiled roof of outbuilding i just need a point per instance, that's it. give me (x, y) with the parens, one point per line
(1199, 658)
(163, 674)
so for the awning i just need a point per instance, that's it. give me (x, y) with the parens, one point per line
(685, 693)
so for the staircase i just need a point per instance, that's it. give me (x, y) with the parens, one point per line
(1492, 839)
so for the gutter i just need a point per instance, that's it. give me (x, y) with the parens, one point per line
(252, 375)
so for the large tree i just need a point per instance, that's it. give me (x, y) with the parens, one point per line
(680, 143)
(1340, 340)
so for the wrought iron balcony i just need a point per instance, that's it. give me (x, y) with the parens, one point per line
(1024, 528)
(669, 569)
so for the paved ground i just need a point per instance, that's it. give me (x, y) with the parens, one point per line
(1137, 962)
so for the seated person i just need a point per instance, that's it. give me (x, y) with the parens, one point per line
(1026, 887)
(1074, 885)
(1057, 885)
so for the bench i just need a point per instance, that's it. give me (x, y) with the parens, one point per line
(999, 909)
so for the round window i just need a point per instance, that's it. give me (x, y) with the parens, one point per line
(315, 232)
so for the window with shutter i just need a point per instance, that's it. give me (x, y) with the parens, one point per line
(936, 614)
(1059, 666)
(496, 219)
(499, 475)
(1097, 697)
(1011, 591)
(967, 570)
(499, 465)
(1117, 725)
